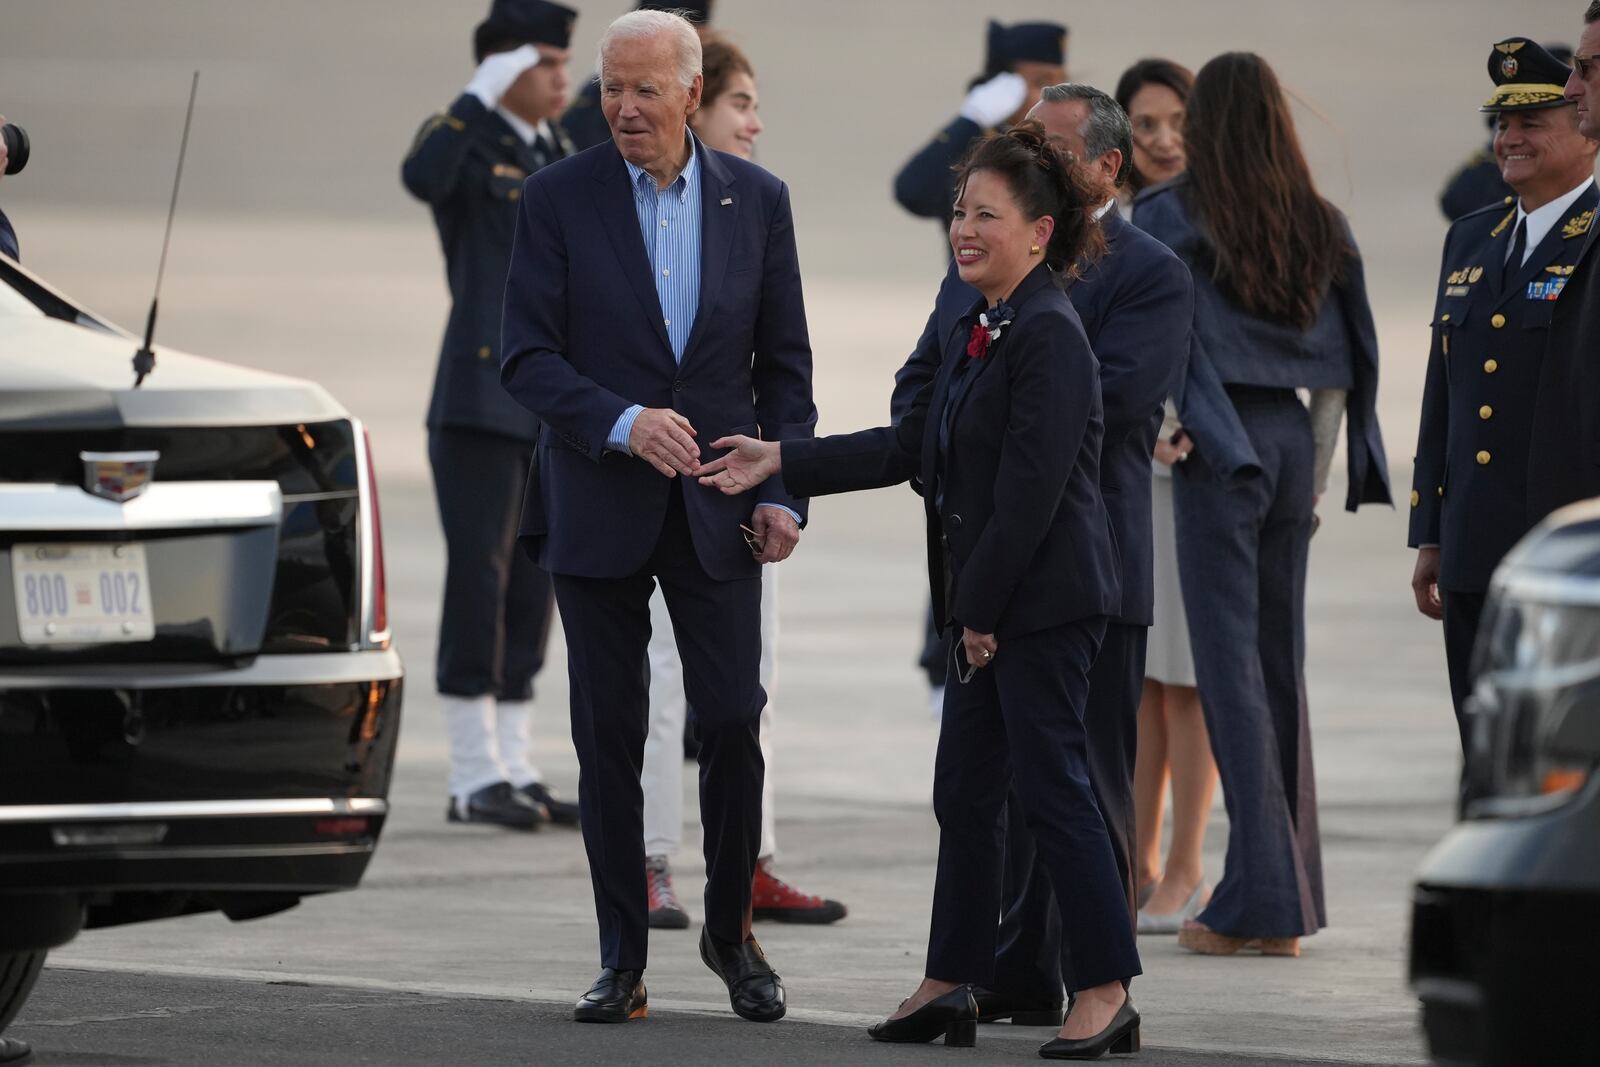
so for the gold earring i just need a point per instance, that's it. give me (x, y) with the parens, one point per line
(1033, 251)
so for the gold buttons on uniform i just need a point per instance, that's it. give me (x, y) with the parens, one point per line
(1497, 320)
(1483, 459)
(483, 353)
(1445, 317)
(1416, 498)
(1485, 412)
(1441, 490)
(1490, 366)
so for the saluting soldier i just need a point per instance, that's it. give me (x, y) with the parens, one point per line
(1020, 60)
(1504, 266)
(468, 164)
(583, 121)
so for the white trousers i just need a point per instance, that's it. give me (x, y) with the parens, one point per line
(489, 743)
(662, 776)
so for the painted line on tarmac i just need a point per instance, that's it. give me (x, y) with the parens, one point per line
(457, 990)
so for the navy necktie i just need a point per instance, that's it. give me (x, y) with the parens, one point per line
(1513, 263)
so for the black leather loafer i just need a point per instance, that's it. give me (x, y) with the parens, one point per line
(754, 988)
(1121, 1036)
(14, 1053)
(499, 805)
(993, 1007)
(615, 997)
(561, 812)
(955, 1015)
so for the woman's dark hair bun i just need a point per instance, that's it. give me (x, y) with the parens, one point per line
(1045, 180)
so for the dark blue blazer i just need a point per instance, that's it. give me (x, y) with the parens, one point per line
(8, 238)
(1471, 476)
(584, 339)
(468, 165)
(1018, 535)
(1230, 346)
(1136, 305)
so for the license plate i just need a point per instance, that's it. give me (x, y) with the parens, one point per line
(75, 594)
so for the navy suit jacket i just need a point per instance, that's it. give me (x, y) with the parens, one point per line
(1022, 541)
(8, 238)
(1136, 305)
(584, 339)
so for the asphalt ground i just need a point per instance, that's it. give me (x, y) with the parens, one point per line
(83, 1018)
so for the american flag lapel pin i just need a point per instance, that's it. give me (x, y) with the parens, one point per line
(727, 200)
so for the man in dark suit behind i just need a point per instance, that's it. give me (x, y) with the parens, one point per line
(1137, 305)
(1564, 454)
(653, 300)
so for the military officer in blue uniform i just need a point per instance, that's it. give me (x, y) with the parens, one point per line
(468, 164)
(583, 121)
(1020, 60)
(1504, 266)
(1477, 182)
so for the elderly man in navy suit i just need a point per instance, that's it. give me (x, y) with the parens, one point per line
(1137, 305)
(654, 302)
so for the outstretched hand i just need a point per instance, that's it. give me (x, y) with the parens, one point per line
(747, 464)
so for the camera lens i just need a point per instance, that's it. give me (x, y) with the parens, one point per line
(16, 147)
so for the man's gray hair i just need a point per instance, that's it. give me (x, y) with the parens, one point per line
(1108, 126)
(640, 25)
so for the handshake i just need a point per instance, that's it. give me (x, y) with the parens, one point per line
(665, 440)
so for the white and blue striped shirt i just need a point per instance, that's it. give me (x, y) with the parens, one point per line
(669, 222)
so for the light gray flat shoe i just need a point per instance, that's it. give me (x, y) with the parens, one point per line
(1170, 923)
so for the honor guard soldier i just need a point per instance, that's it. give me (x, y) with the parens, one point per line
(1504, 266)
(468, 164)
(1478, 182)
(583, 121)
(1019, 62)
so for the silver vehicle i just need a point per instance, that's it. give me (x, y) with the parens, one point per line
(1505, 943)
(199, 703)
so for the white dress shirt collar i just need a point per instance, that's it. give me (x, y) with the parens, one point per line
(1540, 222)
(1106, 208)
(525, 129)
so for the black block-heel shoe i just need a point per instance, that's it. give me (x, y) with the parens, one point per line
(955, 1015)
(1121, 1036)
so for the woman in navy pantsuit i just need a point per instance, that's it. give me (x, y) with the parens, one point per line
(1280, 305)
(1005, 441)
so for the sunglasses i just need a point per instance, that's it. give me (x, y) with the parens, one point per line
(751, 538)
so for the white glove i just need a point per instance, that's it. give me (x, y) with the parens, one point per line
(995, 100)
(496, 73)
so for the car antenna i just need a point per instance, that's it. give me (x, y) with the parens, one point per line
(144, 360)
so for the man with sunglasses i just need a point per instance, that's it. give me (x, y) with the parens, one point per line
(1504, 268)
(1564, 456)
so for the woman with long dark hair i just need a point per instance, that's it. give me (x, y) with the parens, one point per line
(1004, 437)
(1280, 305)
(1172, 740)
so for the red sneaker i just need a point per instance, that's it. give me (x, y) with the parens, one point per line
(666, 912)
(773, 898)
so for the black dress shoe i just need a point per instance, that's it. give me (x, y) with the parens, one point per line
(499, 805)
(561, 812)
(1121, 1036)
(955, 1015)
(754, 988)
(615, 997)
(1022, 1011)
(14, 1053)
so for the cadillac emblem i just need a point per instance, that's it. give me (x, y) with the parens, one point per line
(118, 476)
